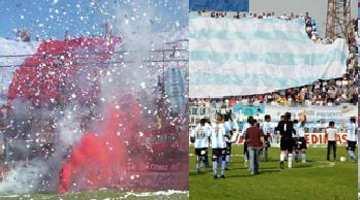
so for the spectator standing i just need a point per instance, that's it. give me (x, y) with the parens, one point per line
(254, 138)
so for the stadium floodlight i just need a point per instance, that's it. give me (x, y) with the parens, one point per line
(338, 22)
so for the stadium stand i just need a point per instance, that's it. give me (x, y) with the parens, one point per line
(322, 92)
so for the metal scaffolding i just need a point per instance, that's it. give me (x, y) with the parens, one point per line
(338, 23)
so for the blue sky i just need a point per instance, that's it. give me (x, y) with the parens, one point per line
(51, 18)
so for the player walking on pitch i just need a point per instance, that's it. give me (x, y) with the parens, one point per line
(300, 141)
(230, 128)
(286, 130)
(268, 130)
(218, 145)
(351, 138)
(200, 137)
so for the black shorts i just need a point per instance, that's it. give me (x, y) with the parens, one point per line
(218, 153)
(267, 138)
(287, 144)
(351, 145)
(300, 143)
(228, 148)
(201, 151)
(303, 143)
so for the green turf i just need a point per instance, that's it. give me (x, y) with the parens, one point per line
(318, 179)
(95, 195)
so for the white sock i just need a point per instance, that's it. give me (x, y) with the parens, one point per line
(290, 157)
(202, 164)
(197, 163)
(215, 167)
(223, 165)
(282, 156)
(303, 156)
(351, 155)
(227, 158)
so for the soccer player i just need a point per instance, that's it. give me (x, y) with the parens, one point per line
(330, 133)
(229, 129)
(200, 136)
(206, 157)
(300, 139)
(296, 140)
(218, 145)
(277, 132)
(351, 138)
(268, 130)
(255, 140)
(243, 131)
(286, 130)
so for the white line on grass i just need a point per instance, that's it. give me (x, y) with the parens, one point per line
(152, 194)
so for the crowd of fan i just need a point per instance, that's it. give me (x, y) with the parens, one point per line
(322, 92)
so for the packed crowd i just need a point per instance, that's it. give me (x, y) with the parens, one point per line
(322, 92)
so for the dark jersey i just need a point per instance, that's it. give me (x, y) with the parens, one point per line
(286, 129)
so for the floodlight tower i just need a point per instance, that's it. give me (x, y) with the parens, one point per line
(338, 22)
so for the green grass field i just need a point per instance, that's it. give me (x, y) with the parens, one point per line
(316, 180)
(98, 195)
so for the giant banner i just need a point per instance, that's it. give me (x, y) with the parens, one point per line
(231, 57)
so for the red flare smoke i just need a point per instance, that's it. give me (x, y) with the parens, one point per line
(124, 156)
(100, 160)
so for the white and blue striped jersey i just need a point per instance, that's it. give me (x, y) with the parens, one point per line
(201, 135)
(218, 133)
(351, 132)
(268, 128)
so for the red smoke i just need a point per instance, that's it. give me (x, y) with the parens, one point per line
(124, 156)
(100, 159)
(122, 152)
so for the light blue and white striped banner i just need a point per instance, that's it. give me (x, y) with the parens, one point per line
(231, 57)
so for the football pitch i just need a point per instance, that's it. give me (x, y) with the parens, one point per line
(316, 180)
